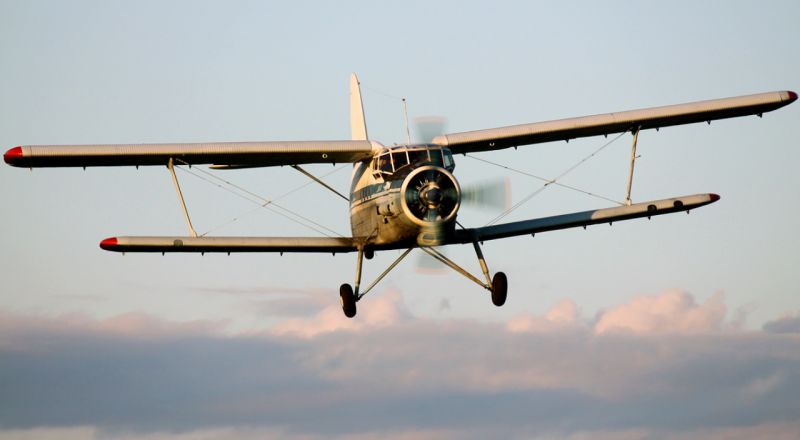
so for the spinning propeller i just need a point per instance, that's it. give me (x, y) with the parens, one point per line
(431, 196)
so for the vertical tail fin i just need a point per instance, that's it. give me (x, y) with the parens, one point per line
(358, 126)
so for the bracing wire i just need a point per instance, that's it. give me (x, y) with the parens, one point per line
(546, 180)
(379, 92)
(550, 182)
(267, 207)
(264, 205)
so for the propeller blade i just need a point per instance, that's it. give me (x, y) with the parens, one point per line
(427, 265)
(428, 127)
(493, 194)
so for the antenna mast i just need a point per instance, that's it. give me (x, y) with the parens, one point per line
(405, 109)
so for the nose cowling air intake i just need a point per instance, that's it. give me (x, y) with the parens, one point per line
(430, 197)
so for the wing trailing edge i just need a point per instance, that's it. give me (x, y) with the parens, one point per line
(585, 218)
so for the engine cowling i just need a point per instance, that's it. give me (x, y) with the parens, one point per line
(430, 198)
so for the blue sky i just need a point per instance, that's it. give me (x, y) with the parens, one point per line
(114, 72)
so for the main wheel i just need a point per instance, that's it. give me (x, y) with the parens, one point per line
(348, 300)
(499, 289)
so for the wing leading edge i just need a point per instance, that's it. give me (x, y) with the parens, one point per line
(222, 154)
(656, 117)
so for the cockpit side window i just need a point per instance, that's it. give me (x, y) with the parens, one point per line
(418, 156)
(436, 157)
(385, 163)
(448, 159)
(400, 159)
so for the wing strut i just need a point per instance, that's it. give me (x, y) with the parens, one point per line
(633, 159)
(180, 196)
(297, 167)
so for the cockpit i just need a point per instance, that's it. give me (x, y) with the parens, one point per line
(392, 161)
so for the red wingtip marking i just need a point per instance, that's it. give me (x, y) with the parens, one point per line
(714, 198)
(13, 156)
(792, 96)
(109, 244)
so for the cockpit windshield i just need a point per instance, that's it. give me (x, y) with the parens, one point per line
(389, 161)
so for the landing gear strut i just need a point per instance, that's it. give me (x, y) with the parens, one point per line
(497, 285)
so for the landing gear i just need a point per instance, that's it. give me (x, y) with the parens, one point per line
(499, 289)
(348, 300)
(497, 285)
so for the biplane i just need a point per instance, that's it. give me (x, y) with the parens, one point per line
(402, 196)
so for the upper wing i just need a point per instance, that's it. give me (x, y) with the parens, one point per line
(586, 218)
(656, 117)
(223, 154)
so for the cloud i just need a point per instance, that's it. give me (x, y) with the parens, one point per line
(563, 314)
(133, 324)
(279, 301)
(376, 311)
(786, 323)
(673, 310)
(388, 375)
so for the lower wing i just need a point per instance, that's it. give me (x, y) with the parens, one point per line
(583, 219)
(229, 244)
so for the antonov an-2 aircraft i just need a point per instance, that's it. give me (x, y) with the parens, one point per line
(401, 196)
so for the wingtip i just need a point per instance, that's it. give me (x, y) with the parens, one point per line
(109, 244)
(714, 197)
(792, 96)
(14, 156)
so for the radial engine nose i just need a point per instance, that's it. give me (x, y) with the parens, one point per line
(430, 198)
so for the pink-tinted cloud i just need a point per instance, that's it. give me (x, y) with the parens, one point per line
(385, 373)
(671, 311)
(564, 313)
(377, 311)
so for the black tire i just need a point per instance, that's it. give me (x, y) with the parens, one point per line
(499, 289)
(348, 300)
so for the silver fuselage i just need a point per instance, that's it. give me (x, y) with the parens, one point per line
(377, 211)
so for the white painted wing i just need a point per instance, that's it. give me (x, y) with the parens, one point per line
(586, 218)
(228, 244)
(223, 154)
(656, 117)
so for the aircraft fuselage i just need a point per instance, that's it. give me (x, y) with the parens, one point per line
(377, 195)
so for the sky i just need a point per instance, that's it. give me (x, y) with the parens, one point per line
(682, 326)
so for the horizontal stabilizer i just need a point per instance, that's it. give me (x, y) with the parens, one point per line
(586, 218)
(228, 244)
